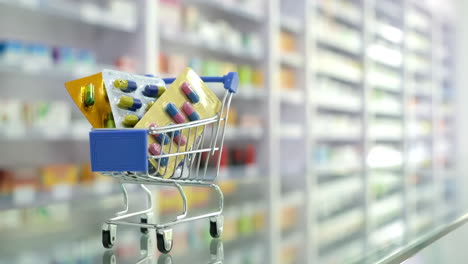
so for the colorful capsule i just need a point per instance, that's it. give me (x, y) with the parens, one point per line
(110, 121)
(174, 112)
(129, 103)
(190, 112)
(153, 90)
(161, 138)
(192, 96)
(156, 150)
(88, 95)
(179, 138)
(125, 86)
(130, 120)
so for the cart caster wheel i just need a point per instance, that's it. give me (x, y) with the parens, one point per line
(216, 226)
(165, 259)
(144, 220)
(164, 240)
(109, 257)
(108, 235)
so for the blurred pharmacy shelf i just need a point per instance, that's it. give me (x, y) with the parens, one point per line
(291, 24)
(193, 41)
(239, 11)
(60, 194)
(327, 89)
(120, 17)
(52, 72)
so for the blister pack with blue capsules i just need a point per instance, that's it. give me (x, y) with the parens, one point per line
(130, 95)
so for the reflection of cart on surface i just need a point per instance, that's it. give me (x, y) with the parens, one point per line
(123, 154)
(147, 254)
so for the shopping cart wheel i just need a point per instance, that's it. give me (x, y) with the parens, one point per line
(109, 257)
(164, 240)
(216, 226)
(144, 220)
(108, 235)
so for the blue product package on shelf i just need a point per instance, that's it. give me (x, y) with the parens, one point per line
(119, 150)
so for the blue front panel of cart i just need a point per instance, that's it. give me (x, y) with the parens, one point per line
(119, 150)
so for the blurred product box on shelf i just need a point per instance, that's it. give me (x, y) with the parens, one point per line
(180, 19)
(54, 182)
(249, 77)
(6, 183)
(339, 66)
(338, 197)
(337, 159)
(289, 217)
(34, 57)
(384, 103)
(287, 42)
(384, 156)
(52, 118)
(336, 95)
(59, 179)
(338, 36)
(12, 118)
(237, 162)
(41, 118)
(338, 127)
(287, 79)
(126, 63)
(250, 121)
(25, 186)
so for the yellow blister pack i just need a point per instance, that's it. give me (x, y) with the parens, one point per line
(90, 96)
(207, 105)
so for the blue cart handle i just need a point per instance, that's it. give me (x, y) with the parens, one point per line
(230, 81)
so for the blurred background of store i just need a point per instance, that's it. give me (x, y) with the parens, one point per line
(344, 140)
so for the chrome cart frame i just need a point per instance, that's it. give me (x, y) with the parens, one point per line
(190, 169)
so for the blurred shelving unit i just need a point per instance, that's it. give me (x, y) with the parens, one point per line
(445, 122)
(337, 129)
(291, 89)
(385, 138)
(420, 110)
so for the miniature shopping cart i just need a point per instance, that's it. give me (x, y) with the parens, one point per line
(123, 154)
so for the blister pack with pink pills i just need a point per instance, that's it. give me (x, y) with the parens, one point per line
(187, 99)
(130, 95)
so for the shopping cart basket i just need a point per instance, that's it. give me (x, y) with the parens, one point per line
(123, 154)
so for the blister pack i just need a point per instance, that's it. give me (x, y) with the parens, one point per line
(130, 95)
(89, 95)
(186, 99)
